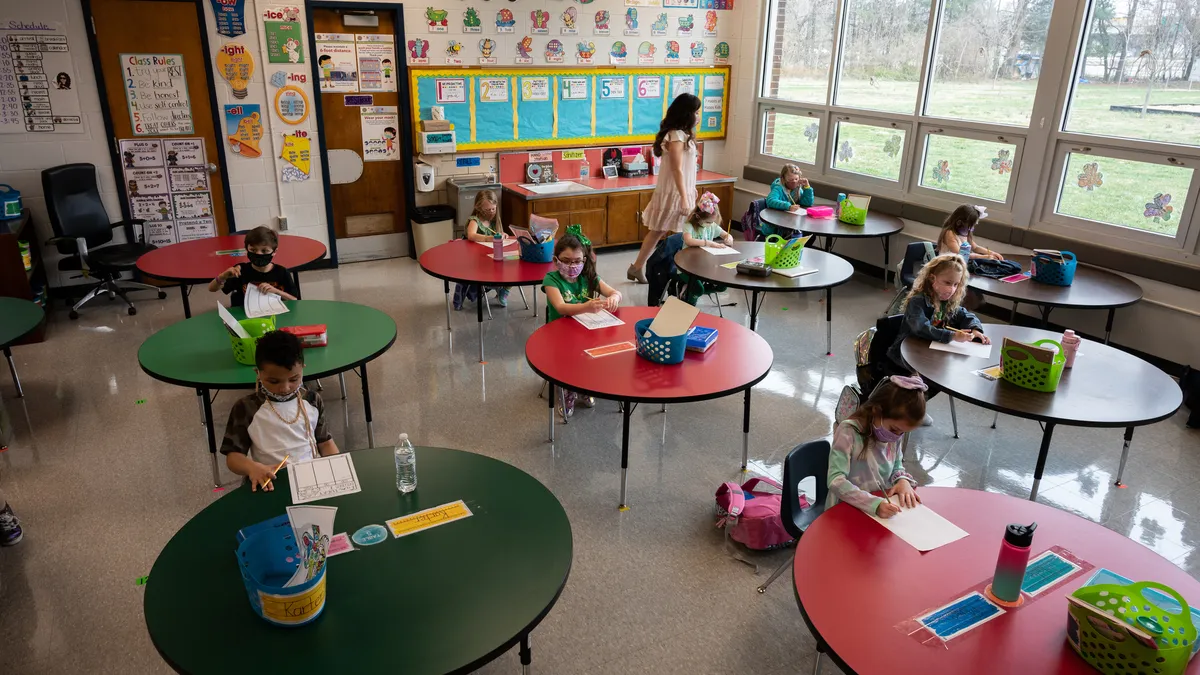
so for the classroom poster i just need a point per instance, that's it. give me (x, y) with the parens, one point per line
(376, 62)
(291, 104)
(296, 151)
(230, 16)
(137, 154)
(493, 89)
(337, 61)
(612, 87)
(38, 82)
(198, 228)
(682, 85)
(148, 181)
(184, 151)
(451, 90)
(156, 88)
(154, 208)
(574, 88)
(380, 127)
(167, 180)
(243, 129)
(285, 40)
(192, 205)
(159, 233)
(649, 87)
(187, 178)
(535, 89)
(712, 104)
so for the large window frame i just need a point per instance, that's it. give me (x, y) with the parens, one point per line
(1041, 147)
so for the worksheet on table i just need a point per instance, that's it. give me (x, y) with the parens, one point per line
(729, 250)
(260, 304)
(600, 319)
(323, 478)
(974, 349)
(922, 527)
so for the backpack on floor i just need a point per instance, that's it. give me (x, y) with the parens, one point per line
(752, 517)
(751, 223)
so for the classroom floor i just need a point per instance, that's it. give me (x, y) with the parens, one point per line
(108, 464)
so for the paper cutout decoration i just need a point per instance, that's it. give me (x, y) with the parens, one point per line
(941, 171)
(471, 22)
(437, 20)
(811, 131)
(486, 47)
(278, 78)
(672, 51)
(243, 123)
(646, 52)
(1160, 208)
(540, 19)
(568, 18)
(618, 50)
(1091, 177)
(659, 27)
(236, 65)
(1002, 162)
(525, 50)
(710, 23)
(721, 52)
(584, 51)
(418, 48)
(505, 21)
(631, 19)
(697, 50)
(284, 41)
(892, 146)
(686, 23)
(291, 104)
(602, 18)
(230, 16)
(554, 51)
(454, 49)
(845, 152)
(291, 174)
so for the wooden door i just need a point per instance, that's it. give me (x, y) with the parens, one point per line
(623, 217)
(375, 203)
(158, 27)
(593, 222)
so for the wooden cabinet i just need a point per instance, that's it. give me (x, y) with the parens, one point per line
(15, 280)
(624, 217)
(643, 202)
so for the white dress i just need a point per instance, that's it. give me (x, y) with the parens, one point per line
(664, 212)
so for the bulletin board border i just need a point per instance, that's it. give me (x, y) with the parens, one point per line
(417, 73)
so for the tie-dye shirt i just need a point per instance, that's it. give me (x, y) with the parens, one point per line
(853, 477)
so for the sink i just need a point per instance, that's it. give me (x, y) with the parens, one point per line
(555, 188)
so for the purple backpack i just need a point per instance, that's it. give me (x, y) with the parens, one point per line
(752, 517)
(750, 220)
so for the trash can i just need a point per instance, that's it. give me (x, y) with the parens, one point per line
(461, 191)
(432, 225)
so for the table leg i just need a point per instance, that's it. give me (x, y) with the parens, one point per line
(817, 662)
(526, 654)
(829, 242)
(1041, 460)
(342, 382)
(1124, 456)
(212, 436)
(746, 430)
(479, 302)
(626, 411)
(1012, 317)
(1046, 316)
(521, 290)
(296, 284)
(12, 367)
(887, 254)
(199, 397)
(187, 306)
(754, 307)
(1112, 313)
(953, 416)
(828, 322)
(551, 399)
(446, 290)
(995, 418)
(367, 406)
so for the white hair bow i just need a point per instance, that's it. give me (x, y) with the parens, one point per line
(982, 211)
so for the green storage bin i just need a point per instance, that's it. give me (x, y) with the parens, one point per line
(243, 348)
(1100, 637)
(1020, 368)
(775, 256)
(853, 209)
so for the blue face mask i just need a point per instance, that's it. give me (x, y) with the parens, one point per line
(885, 435)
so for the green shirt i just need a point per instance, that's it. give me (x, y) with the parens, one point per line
(573, 292)
(482, 227)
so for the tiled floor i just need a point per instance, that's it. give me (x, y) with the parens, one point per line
(101, 482)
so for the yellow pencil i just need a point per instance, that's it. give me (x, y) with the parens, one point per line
(285, 459)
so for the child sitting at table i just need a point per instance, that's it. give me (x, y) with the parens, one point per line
(280, 419)
(703, 230)
(261, 244)
(575, 288)
(790, 192)
(483, 226)
(866, 454)
(959, 229)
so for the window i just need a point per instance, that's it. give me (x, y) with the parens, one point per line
(868, 150)
(882, 43)
(988, 60)
(791, 137)
(968, 166)
(1124, 192)
(800, 48)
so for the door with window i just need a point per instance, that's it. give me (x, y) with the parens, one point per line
(157, 90)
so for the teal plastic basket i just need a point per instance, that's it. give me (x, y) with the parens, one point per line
(651, 347)
(1048, 269)
(267, 560)
(536, 253)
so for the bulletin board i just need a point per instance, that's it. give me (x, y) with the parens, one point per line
(505, 108)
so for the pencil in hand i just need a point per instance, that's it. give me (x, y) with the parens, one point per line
(277, 468)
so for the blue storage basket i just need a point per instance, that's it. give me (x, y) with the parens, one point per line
(536, 253)
(267, 560)
(1048, 269)
(662, 350)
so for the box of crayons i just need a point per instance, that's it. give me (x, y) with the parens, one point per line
(699, 338)
(310, 336)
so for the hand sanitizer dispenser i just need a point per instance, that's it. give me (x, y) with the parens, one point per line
(425, 176)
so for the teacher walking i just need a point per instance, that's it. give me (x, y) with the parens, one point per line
(675, 193)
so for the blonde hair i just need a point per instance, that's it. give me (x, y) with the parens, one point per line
(487, 196)
(789, 169)
(924, 282)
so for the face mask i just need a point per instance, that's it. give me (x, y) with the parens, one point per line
(568, 271)
(885, 435)
(279, 398)
(964, 231)
(260, 259)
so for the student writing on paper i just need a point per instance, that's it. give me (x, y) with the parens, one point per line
(280, 419)
(483, 226)
(575, 288)
(261, 244)
(866, 456)
(703, 230)
(790, 192)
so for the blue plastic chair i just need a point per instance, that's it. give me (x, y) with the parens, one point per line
(806, 459)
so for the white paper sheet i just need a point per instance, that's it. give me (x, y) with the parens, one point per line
(975, 349)
(674, 318)
(601, 319)
(922, 527)
(728, 250)
(322, 478)
(259, 304)
(794, 272)
(312, 527)
(508, 243)
(231, 324)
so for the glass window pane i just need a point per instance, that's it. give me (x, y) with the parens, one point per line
(1124, 192)
(967, 166)
(801, 47)
(881, 54)
(791, 137)
(869, 150)
(989, 56)
(1134, 78)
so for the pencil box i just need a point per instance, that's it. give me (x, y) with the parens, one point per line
(754, 269)
(310, 336)
(820, 212)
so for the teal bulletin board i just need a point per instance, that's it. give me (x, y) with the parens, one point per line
(507, 108)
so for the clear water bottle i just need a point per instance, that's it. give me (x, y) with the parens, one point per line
(406, 465)
(964, 250)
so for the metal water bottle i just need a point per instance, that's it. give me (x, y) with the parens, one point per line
(1010, 565)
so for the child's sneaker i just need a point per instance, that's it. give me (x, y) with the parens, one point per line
(502, 297)
(10, 527)
(566, 403)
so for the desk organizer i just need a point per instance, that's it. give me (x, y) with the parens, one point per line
(1122, 630)
(1022, 368)
(536, 253)
(243, 348)
(267, 559)
(1051, 270)
(664, 350)
(853, 209)
(775, 255)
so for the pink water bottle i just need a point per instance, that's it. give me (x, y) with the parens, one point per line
(1010, 566)
(498, 247)
(1070, 343)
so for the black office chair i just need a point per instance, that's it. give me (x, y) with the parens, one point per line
(82, 227)
(807, 459)
(916, 254)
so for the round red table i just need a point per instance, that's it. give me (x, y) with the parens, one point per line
(198, 262)
(466, 262)
(738, 360)
(855, 581)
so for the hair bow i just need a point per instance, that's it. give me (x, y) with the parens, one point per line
(982, 210)
(907, 382)
(708, 203)
(577, 232)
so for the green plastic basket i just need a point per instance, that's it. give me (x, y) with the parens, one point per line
(851, 214)
(243, 348)
(776, 257)
(1020, 368)
(1104, 643)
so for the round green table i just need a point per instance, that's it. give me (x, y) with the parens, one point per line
(18, 318)
(196, 353)
(443, 600)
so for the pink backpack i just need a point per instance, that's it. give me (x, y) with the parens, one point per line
(752, 517)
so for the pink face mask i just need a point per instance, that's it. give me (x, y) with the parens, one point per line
(569, 271)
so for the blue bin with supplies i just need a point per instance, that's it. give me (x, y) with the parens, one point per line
(10, 202)
(267, 560)
(1053, 270)
(667, 351)
(536, 253)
